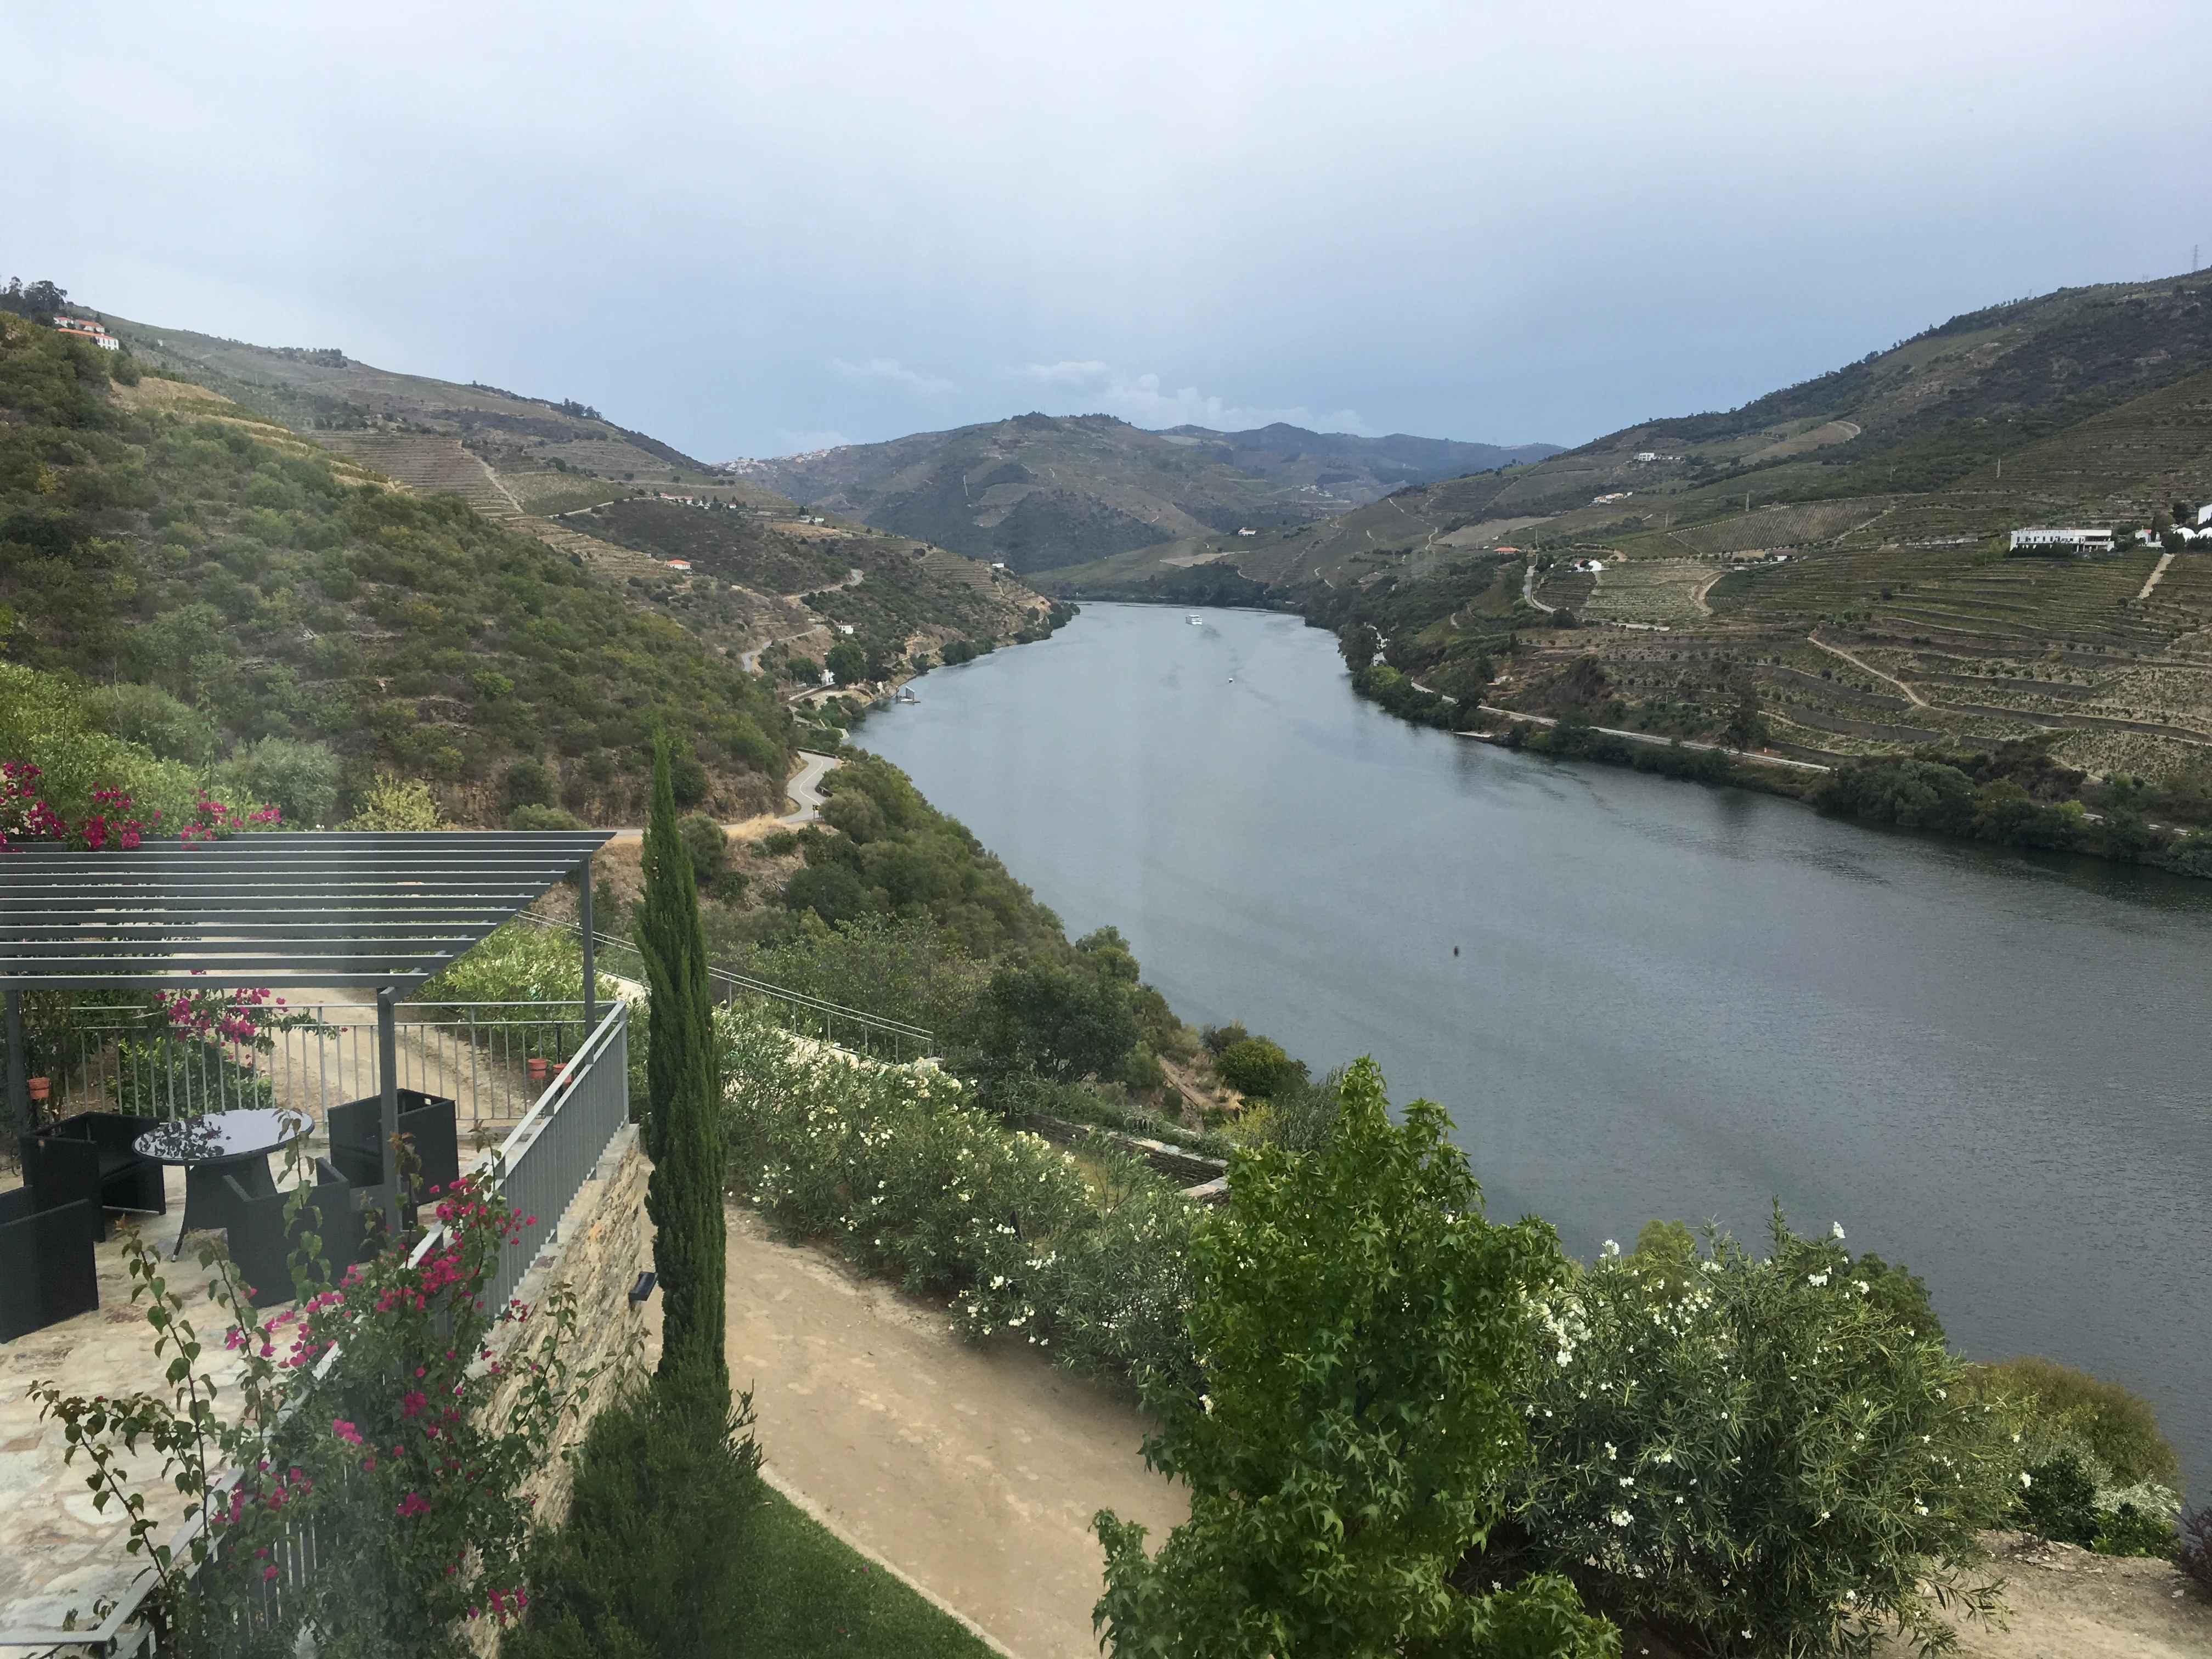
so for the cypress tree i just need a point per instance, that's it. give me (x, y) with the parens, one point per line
(683, 1126)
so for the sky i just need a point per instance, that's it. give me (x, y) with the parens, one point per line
(757, 230)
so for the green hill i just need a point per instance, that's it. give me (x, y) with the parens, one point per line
(1838, 546)
(1038, 491)
(245, 586)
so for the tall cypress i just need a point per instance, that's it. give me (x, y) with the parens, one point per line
(683, 1126)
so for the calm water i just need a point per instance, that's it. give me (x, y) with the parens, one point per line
(1669, 1000)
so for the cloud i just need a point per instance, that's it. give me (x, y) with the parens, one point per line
(897, 372)
(1139, 400)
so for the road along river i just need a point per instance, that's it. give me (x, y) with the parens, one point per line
(1667, 999)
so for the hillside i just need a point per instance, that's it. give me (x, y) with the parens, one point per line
(1038, 491)
(1346, 468)
(620, 501)
(1836, 546)
(231, 586)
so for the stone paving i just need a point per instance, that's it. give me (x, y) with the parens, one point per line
(58, 1554)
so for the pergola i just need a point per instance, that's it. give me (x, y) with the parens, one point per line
(284, 910)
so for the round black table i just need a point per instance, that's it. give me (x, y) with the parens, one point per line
(217, 1147)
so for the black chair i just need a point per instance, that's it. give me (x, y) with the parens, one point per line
(50, 1273)
(262, 1244)
(429, 1121)
(105, 1142)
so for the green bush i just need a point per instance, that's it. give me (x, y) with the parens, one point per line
(530, 783)
(651, 1562)
(1349, 1441)
(518, 962)
(1258, 1066)
(1755, 1456)
(300, 778)
(2068, 1409)
(911, 1180)
(543, 817)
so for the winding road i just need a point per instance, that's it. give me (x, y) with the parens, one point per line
(806, 786)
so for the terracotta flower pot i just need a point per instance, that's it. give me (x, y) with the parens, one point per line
(39, 1087)
(537, 1068)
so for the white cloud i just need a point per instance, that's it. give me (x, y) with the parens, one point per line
(1140, 400)
(895, 372)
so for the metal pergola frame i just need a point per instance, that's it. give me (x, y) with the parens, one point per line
(379, 910)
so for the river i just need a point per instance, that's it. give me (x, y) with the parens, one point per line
(1667, 1000)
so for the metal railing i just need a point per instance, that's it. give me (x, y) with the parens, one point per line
(544, 1162)
(492, 1059)
(810, 1016)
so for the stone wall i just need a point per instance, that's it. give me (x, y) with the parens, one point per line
(604, 1243)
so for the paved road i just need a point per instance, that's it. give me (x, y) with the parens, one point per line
(806, 786)
(1663, 742)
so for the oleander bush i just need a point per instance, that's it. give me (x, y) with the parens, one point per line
(517, 962)
(1757, 1456)
(910, 1179)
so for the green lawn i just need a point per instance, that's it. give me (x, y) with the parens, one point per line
(812, 1595)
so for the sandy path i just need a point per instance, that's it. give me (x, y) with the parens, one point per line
(974, 1472)
(1912, 696)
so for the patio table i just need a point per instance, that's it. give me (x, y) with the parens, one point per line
(219, 1143)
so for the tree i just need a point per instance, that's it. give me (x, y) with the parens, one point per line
(848, 661)
(1747, 725)
(1058, 1022)
(396, 804)
(1357, 1322)
(1359, 643)
(682, 1127)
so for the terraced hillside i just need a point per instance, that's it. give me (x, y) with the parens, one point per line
(1838, 547)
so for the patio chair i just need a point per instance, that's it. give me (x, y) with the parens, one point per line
(50, 1274)
(261, 1244)
(357, 1140)
(126, 1180)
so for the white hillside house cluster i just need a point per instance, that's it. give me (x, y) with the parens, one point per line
(2072, 538)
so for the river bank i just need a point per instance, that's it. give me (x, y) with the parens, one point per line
(1666, 1002)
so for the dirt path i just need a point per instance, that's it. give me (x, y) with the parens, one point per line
(2164, 560)
(2065, 1603)
(1910, 695)
(972, 1471)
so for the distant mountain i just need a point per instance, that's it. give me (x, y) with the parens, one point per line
(1038, 491)
(1354, 471)
(1042, 492)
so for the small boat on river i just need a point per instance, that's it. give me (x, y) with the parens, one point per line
(1195, 622)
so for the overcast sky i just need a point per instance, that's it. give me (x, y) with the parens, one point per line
(756, 230)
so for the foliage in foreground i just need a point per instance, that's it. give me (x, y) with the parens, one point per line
(411, 1444)
(2100, 1473)
(654, 1555)
(1754, 1454)
(1360, 1324)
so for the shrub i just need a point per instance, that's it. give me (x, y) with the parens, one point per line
(532, 783)
(396, 804)
(301, 779)
(911, 1180)
(652, 1558)
(1756, 1456)
(1352, 1433)
(543, 817)
(2195, 1554)
(1258, 1066)
(517, 962)
(2070, 1410)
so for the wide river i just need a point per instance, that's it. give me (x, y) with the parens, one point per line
(1667, 1000)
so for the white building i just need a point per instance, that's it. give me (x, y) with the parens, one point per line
(85, 329)
(2073, 538)
(2204, 514)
